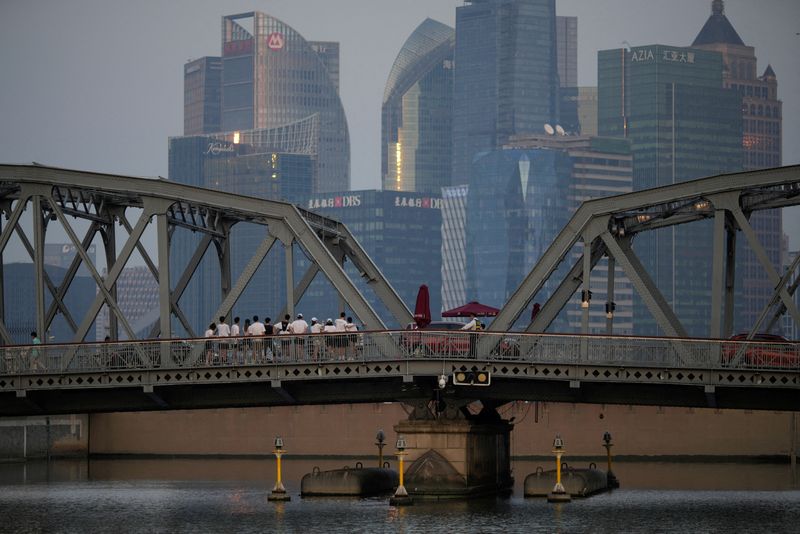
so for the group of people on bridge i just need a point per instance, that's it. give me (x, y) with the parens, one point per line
(259, 342)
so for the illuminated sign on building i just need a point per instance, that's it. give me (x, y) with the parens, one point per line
(343, 201)
(275, 41)
(216, 148)
(424, 202)
(673, 56)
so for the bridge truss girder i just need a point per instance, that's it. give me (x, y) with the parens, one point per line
(607, 226)
(105, 201)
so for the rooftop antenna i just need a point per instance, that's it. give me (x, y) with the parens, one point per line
(549, 129)
(560, 130)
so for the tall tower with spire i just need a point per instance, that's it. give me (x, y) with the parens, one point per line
(761, 147)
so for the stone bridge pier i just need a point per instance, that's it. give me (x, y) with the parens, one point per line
(453, 453)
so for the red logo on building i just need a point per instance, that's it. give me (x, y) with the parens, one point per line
(275, 41)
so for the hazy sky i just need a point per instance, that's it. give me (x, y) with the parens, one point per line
(98, 84)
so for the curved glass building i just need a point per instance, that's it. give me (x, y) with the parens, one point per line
(272, 77)
(417, 112)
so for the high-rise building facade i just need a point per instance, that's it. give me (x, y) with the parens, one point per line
(401, 232)
(202, 83)
(273, 77)
(517, 203)
(454, 242)
(567, 61)
(682, 124)
(416, 115)
(601, 167)
(761, 143)
(506, 77)
(248, 165)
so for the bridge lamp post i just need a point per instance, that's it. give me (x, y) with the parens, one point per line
(278, 492)
(559, 494)
(611, 480)
(401, 497)
(380, 441)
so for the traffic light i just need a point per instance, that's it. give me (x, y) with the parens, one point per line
(472, 378)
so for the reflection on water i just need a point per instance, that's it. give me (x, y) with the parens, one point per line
(184, 495)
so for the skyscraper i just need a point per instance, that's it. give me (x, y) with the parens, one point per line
(417, 111)
(506, 78)
(250, 165)
(202, 83)
(401, 233)
(454, 241)
(761, 142)
(682, 123)
(518, 201)
(273, 77)
(567, 61)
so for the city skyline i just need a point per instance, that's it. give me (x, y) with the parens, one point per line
(62, 93)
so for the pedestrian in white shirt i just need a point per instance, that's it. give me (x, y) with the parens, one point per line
(236, 332)
(257, 331)
(223, 330)
(472, 326)
(341, 340)
(352, 337)
(298, 328)
(329, 330)
(209, 345)
(316, 339)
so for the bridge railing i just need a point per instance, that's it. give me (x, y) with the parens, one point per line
(399, 345)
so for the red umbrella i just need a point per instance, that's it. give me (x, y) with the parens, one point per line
(422, 310)
(481, 310)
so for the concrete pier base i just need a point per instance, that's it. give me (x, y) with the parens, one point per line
(457, 458)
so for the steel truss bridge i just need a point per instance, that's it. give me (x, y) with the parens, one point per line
(383, 366)
(396, 366)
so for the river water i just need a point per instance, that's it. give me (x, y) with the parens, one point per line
(182, 495)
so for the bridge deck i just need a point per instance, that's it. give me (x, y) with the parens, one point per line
(395, 366)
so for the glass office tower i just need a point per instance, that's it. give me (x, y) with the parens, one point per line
(506, 77)
(670, 102)
(272, 76)
(254, 168)
(417, 110)
(761, 143)
(518, 201)
(202, 83)
(401, 232)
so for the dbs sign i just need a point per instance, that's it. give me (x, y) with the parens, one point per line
(275, 41)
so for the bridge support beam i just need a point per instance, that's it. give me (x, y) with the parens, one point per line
(458, 456)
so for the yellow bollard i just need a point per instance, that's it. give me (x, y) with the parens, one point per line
(278, 492)
(559, 494)
(401, 497)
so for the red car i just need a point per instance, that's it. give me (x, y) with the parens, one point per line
(763, 350)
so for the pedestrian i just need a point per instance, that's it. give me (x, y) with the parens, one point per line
(269, 347)
(472, 326)
(352, 337)
(247, 342)
(284, 330)
(329, 331)
(209, 344)
(236, 343)
(35, 363)
(316, 339)
(257, 331)
(223, 330)
(341, 340)
(299, 328)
